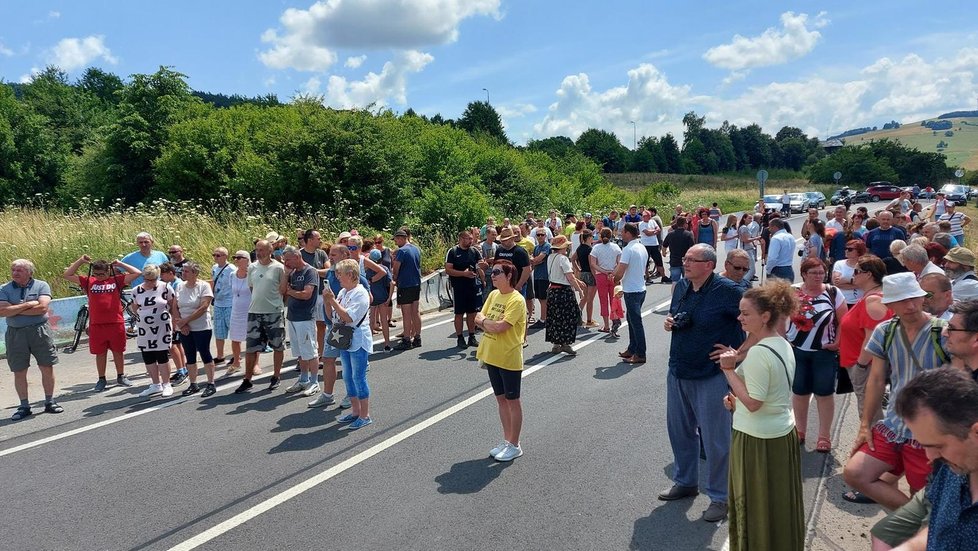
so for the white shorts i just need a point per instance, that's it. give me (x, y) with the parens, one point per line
(319, 311)
(302, 335)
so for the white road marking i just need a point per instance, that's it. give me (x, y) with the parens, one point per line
(306, 485)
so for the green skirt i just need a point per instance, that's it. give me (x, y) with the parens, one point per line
(767, 509)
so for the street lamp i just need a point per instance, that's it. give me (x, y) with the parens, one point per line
(487, 95)
(634, 136)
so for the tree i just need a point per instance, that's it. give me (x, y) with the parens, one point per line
(857, 164)
(670, 150)
(481, 118)
(693, 126)
(604, 148)
(556, 147)
(102, 85)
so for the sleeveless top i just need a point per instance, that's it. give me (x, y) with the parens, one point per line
(852, 330)
(706, 234)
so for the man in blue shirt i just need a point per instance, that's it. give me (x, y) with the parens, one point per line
(782, 252)
(145, 255)
(407, 277)
(878, 239)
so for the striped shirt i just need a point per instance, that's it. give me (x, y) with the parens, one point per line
(902, 367)
(955, 220)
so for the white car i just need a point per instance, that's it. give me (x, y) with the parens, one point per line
(799, 202)
(772, 202)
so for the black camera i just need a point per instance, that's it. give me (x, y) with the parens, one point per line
(681, 320)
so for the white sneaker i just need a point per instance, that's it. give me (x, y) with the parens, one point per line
(322, 400)
(296, 387)
(311, 389)
(151, 391)
(495, 451)
(167, 390)
(509, 453)
(345, 404)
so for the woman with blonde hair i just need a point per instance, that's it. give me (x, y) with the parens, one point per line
(154, 304)
(351, 307)
(730, 236)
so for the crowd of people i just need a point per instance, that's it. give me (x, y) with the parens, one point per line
(886, 304)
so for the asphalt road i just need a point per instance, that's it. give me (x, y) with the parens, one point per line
(261, 470)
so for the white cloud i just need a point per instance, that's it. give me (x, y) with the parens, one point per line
(375, 88)
(310, 38)
(5, 51)
(355, 62)
(54, 14)
(74, 53)
(515, 111)
(269, 82)
(772, 47)
(312, 85)
(29, 76)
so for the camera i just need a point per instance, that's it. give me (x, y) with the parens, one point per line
(681, 320)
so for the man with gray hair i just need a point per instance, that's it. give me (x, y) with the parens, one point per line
(299, 290)
(915, 259)
(24, 302)
(265, 324)
(939, 297)
(143, 255)
(959, 265)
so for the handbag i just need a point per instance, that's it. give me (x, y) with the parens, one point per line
(341, 336)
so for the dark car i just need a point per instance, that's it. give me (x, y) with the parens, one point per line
(816, 199)
(882, 190)
(956, 193)
(838, 198)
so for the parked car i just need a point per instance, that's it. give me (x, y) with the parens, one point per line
(838, 198)
(956, 193)
(882, 190)
(816, 199)
(799, 202)
(772, 202)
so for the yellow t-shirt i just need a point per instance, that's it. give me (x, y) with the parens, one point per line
(528, 244)
(504, 350)
(767, 380)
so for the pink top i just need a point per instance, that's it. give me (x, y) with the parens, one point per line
(853, 330)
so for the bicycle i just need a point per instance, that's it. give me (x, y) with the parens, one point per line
(129, 316)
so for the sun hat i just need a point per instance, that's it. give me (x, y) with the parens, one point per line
(507, 233)
(559, 243)
(344, 235)
(400, 233)
(618, 289)
(272, 237)
(242, 254)
(897, 287)
(961, 255)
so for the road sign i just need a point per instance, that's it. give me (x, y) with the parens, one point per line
(959, 172)
(837, 176)
(761, 178)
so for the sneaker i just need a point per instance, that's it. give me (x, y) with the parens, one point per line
(346, 418)
(244, 387)
(191, 390)
(360, 422)
(151, 390)
(273, 383)
(495, 451)
(403, 345)
(296, 387)
(615, 326)
(388, 348)
(509, 453)
(178, 379)
(100, 385)
(591, 323)
(716, 512)
(123, 380)
(311, 389)
(460, 342)
(345, 403)
(167, 390)
(209, 390)
(219, 361)
(417, 342)
(472, 342)
(322, 400)
(555, 349)
(567, 349)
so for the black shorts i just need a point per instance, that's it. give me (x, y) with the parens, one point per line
(505, 381)
(408, 295)
(540, 287)
(655, 255)
(465, 298)
(156, 357)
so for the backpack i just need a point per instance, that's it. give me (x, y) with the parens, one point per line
(935, 338)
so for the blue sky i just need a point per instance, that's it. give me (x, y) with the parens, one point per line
(551, 67)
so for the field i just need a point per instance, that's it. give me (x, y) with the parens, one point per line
(962, 147)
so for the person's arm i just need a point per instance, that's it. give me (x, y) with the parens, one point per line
(965, 220)
(333, 305)
(872, 402)
(524, 277)
(450, 269)
(72, 270)
(728, 362)
(395, 268)
(838, 281)
(283, 282)
(8, 310)
(775, 250)
(304, 294)
(205, 303)
(716, 232)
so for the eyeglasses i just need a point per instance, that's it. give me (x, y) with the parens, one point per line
(740, 268)
(858, 271)
(496, 272)
(850, 249)
(215, 255)
(690, 260)
(174, 252)
(241, 258)
(962, 329)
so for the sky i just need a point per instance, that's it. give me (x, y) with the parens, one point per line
(549, 67)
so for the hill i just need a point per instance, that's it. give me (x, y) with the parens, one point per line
(961, 147)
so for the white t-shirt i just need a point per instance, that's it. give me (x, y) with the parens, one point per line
(606, 255)
(833, 223)
(846, 271)
(558, 266)
(189, 299)
(635, 256)
(731, 244)
(648, 240)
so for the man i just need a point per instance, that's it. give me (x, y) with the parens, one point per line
(735, 268)
(24, 302)
(265, 324)
(541, 277)
(588, 221)
(611, 221)
(407, 277)
(633, 217)
(175, 253)
(806, 226)
(106, 330)
(836, 228)
(906, 346)
(959, 265)
(553, 223)
(222, 274)
(548, 232)
(915, 259)
(781, 253)
(676, 243)
(509, 250)
(490, 223)
(786, 204)
(630, 274)
(958, 221)
(143, 255)
(702, 317)
(939, 297)
(315, 256)
(464, 266)
(878, 240)
(649, 231)
(299, 289)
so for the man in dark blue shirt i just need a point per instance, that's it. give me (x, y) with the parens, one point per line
(407, 276)
(878, 239)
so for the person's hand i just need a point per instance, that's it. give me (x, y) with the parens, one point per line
(328, 294)
(667, 324)
(479, 318)
(864, 436)
(833, 346)
(728, 359)
(86, 258)
(185, 330)
(719, 349)
(729, 402)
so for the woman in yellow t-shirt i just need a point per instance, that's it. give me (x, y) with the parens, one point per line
(503, 318)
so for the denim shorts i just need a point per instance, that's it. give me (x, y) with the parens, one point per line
(815, 372)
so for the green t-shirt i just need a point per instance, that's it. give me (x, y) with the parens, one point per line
(264, 282)
(769, 381)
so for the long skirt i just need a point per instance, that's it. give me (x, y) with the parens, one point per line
(767, 509)
(563, 315)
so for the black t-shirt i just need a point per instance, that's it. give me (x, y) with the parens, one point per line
(678, 242)
(517, 255)
(584, 257)
(317, 259)
(463, 260)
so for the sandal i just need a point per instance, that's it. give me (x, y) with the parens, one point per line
(21, 413)
(604, 330)
(853, 496)
(824, 445)
(53, 407)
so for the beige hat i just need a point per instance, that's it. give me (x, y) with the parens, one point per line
(272, 237)
(961, 255)
(242, 254)
(507, 233)
(559, 243)
(618, 290)
(897, 287)
(344, 235)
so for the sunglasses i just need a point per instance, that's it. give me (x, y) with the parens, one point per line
(352, 247)
(215, 255)
(241, 258)
(496, 272)
(740, 268)
(858, 271)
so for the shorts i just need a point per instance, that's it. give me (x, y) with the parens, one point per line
(380, 293)
(156, 357)
(319, 311)
(302, 337)
(588, 279)
(540, 287)
(265, 329)
(465, 298)
(103, 337)
(815, 372)
(527, 291)
(902, 524)
(906, 458)
(408, 295)
(328, 350)
(222, 322)
(655, 255)
(33, 340)
(505, 381)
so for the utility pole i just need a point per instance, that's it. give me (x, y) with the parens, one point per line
(487, 95)
(634, 136)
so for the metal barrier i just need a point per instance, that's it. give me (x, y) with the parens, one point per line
(61, 317)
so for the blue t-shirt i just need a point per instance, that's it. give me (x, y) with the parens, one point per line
(878, 240)
(334, 282)
(138, 261)
(712, 312)
(15, 294)
(540, 270)
(409, 273)
(953, 516)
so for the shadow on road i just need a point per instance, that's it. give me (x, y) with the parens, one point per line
(613, 372)
(311, 440)
(469, 477)
(669, 527)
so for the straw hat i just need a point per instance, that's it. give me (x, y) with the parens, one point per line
(559, 243)
(961, 255)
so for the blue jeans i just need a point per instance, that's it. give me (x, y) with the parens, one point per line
(355, 373)
(633, 316)
(675, 273)
(692, 404)
(784, 272)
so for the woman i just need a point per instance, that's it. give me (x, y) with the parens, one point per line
(503, 320)
(766, 501)
(563, 312)
(706, 230)
(604, 259)
(813, 333)
(749, 234)
(843, 271)
(730, 235)
(154, 303)
(857, 228)
(815, 245)
(380, 293)
(581, 260)
(240, 301)
(192, 319)
(350, 307)
(576, 236)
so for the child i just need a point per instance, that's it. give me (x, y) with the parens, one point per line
(617, 312)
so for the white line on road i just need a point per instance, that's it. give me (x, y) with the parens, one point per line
(306, 485)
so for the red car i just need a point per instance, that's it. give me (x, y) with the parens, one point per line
(882, 190)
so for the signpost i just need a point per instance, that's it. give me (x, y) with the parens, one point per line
(761, 178)
(837, 176)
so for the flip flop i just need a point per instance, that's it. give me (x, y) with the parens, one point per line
(604, 330)
(853, 496)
